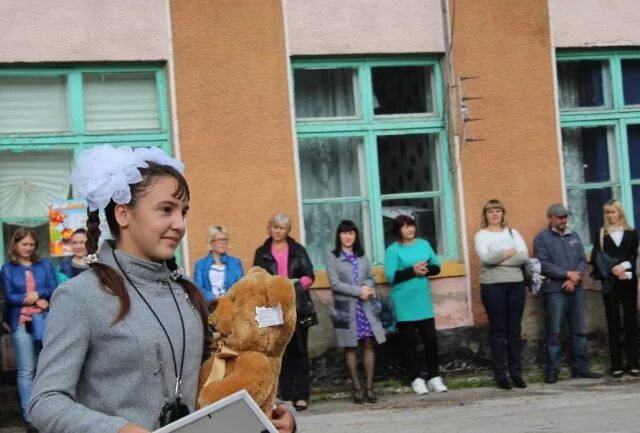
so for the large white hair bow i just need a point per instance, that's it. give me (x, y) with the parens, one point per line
(105, 172)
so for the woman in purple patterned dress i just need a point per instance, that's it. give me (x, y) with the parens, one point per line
(355, 324)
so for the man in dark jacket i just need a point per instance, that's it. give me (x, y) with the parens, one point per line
(561, 255)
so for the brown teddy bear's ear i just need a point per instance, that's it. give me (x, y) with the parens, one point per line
(213, 305)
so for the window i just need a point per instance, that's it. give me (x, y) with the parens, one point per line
(599, 98)
(372, 145)
(47, 115)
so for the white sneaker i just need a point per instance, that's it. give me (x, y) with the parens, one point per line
(419, 387)
(435, 384)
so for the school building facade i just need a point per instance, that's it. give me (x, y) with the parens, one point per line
(327, 110)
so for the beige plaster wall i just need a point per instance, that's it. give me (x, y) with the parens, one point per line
(334, 27)
(83, 30)
(595, 23)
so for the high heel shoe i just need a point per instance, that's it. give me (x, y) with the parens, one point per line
(358, 396)
(371, 396)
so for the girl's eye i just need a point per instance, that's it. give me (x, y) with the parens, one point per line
(166, 209)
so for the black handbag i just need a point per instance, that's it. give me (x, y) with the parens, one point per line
(305, 309)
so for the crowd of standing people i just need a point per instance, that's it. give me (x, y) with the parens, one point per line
(125, 274)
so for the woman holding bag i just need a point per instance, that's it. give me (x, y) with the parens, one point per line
(28, 282)
(620, 242)
(281, 255)
(351, 278)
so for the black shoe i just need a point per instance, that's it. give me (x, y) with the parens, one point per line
(503, 383)
(634, 372)
(358, 396)
(519, 382)
(371, 396)
(551, 378)
(617, 373)
(586, 374)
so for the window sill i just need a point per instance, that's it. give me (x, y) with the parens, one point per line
(450, 268)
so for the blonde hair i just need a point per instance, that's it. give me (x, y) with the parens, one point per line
(214, 231)
(279, 220)
(493, 204)
(615, 204)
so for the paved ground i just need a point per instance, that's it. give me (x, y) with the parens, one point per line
(570, 406)
(580, 406)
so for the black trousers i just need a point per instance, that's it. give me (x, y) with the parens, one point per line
(625, 294)
(504, 303)
(409, 332)
(294, 374)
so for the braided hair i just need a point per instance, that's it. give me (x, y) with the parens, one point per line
(112, 281)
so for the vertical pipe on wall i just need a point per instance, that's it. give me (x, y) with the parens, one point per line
(292, 114)
(175, 136)
(456, 163)
(556, 104)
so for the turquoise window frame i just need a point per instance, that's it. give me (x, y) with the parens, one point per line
(369, 127)
(77, 138)
(618, 116)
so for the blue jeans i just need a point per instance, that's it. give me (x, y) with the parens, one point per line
(26, 351)
(558, 307)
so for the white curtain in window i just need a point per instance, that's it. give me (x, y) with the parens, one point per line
(30, 180)
(325, 93)
(33, 104)
(125, 101)
(568, 88)
(574, 174)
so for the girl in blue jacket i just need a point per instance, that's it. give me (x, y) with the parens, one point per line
(28, 282)
(217, 271)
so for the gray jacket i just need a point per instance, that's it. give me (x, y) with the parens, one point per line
(559, 254)
(95, 376)
(345, 294)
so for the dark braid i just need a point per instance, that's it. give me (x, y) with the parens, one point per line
(110, 280)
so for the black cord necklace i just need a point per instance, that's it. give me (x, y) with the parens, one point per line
(178, 391)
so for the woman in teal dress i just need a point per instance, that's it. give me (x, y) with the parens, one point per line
(409, 262)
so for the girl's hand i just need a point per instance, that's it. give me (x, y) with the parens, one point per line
(133, 428)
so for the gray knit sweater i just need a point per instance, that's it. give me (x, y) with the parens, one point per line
(95, 376)
(490, 247)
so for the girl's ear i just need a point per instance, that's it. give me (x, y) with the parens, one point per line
(122, 214)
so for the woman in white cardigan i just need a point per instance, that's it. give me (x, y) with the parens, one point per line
(502, 252)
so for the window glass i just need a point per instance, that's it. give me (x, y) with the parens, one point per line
(631, 81)
(321, 222)
(332, 167)
(121, 101)
(324, 93)
(583, 84)
(585, 210)
(407, 163)
(33, 104)
(633, 140)
(589, 154)
(29, 181)
(426, 212)
(402, 90)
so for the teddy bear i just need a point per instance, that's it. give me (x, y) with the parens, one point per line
(253, 324)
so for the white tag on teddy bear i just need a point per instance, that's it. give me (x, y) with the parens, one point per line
(266, 316)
